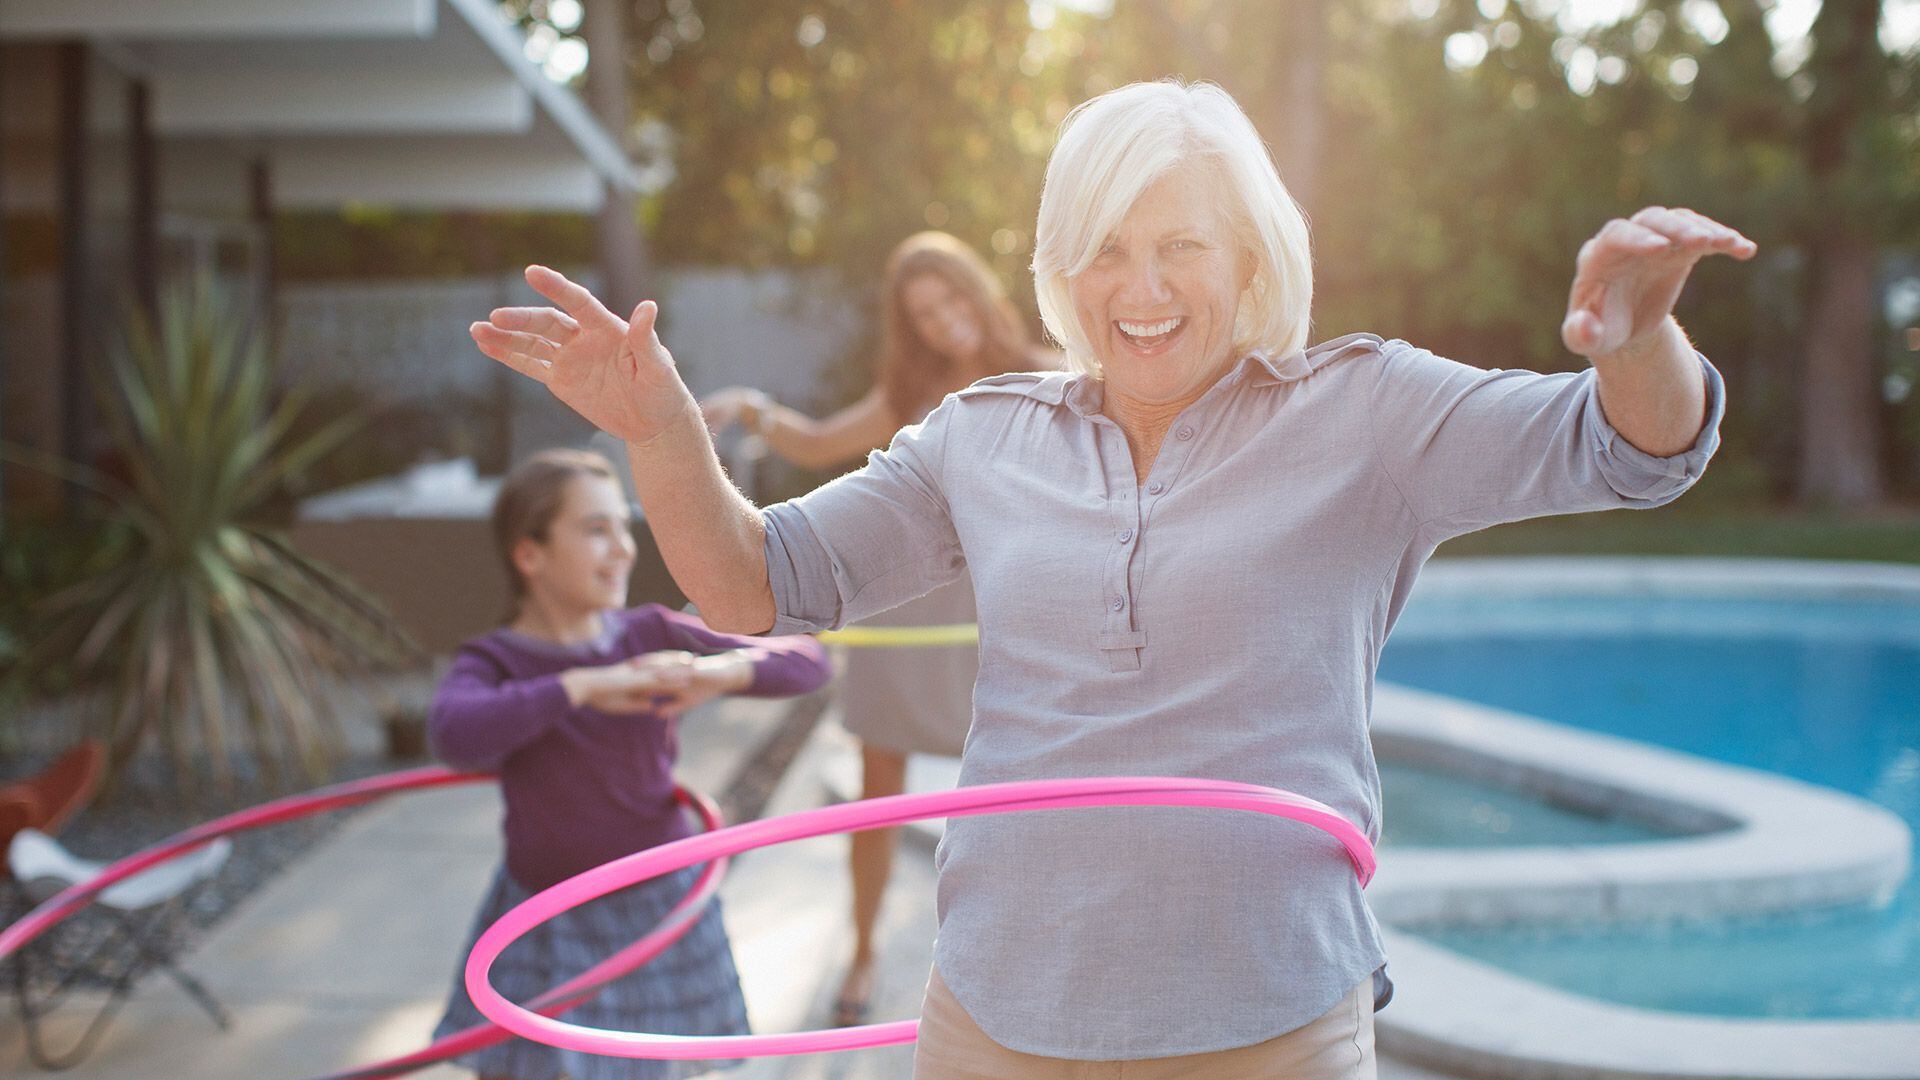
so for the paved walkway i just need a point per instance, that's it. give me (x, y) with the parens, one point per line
(347, 956)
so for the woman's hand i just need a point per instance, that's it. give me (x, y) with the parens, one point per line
(741, 405)
(614, 373)
(1629, 275)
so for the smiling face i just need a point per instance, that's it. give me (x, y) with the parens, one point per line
(583, 565)
(1159, 300)
(943, 318)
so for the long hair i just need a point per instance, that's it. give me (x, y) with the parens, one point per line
(912, 375)
(530, 498)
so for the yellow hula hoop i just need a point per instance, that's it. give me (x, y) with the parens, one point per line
(902, 637)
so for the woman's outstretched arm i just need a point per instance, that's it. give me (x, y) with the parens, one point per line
(844, 436)
(618, 375)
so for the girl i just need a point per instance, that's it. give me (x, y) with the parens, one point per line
(574, 703)
(946, 323)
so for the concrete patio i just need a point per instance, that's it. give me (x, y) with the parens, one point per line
(346, 957)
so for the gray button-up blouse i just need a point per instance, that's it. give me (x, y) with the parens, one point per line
(1222, 619)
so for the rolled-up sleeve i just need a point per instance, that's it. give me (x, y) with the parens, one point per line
(1647, 479)
(868, 541)
(1469, 448)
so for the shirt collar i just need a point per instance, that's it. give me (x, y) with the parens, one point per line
(1084, 394)
(1300, 363)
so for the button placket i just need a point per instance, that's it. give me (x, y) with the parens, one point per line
(1174, 451)
(1118, 640)
(1166, 470)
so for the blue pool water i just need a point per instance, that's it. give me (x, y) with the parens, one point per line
(1827, 692)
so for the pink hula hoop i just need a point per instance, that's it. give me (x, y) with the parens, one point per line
(847, 817)
(677, 922)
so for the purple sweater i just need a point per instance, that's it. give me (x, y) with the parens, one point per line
(581, 786)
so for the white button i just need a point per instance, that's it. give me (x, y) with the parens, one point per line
(1126, 535)
(1156, 488)
(1118, 604)
(1184, 434)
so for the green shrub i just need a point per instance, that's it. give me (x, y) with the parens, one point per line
(201, 625)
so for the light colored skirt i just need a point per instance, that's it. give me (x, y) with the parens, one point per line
(691, 989)
(914, 700)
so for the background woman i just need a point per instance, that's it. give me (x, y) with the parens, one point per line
(946, 323)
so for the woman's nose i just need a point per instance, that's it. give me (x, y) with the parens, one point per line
(1146, 284)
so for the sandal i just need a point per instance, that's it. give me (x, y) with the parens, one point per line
(856, 992)
(850, 1012)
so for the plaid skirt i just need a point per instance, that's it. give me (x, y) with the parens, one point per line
(691, 989)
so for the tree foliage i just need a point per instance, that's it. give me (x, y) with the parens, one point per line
(1453, 153)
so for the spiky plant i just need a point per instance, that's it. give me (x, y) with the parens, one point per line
(202, 627)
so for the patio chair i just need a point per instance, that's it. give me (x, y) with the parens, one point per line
(61, 789)
(141, 912)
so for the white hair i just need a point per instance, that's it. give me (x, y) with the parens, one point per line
(1115, 146)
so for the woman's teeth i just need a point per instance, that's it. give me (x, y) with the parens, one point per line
(1149, 334)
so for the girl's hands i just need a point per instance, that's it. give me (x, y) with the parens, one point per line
(1629, 275)
(668, 681)
(624, 688)
(614, 373)
(705, 678)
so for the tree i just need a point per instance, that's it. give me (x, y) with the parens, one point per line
(1841, 459)
(1452, 155)
(623, 250)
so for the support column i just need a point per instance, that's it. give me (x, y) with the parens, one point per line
(622, 247)
(266, 273)
(75, 294)
(3, 312)
(143, 170)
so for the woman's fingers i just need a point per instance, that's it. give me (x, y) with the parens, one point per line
(1581, 332)
(499, 345)
(1695, 233)
(1720, 238)
(529, 345)
(640, 333)
(1618, 243)
(719, 415)
(1673, 238)
(721, 409)
(573, 299)
(555, 326)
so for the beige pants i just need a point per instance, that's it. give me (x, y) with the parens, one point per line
(1338, 1046)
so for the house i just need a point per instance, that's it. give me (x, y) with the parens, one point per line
(140, 142)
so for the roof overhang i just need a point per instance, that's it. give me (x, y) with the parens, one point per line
(408, 103)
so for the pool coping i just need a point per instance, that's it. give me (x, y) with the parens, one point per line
(1758, 841)
(1774, 843)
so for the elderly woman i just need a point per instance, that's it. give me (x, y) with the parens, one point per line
(1187, 553)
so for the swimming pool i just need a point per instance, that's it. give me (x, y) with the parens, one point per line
(1428, 807)
(1818, 687)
